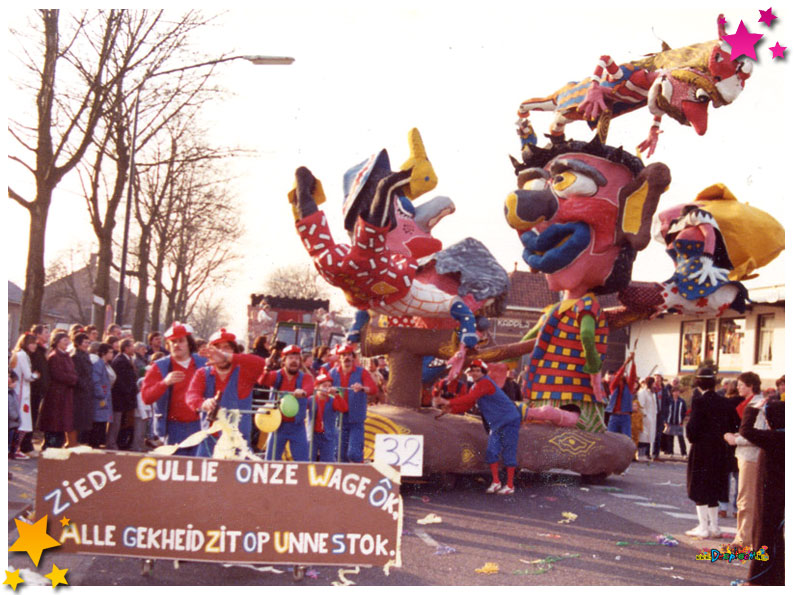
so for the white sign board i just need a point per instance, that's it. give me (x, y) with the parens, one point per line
(401, 450)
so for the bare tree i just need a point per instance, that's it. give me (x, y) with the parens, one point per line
(208, 316)
(146, 48)
(64, 127)
(296, 281)
(87, 76)
(67, 277)
(202, 252)
(179, 159)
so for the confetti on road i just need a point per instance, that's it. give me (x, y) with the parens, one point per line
(610, 489)
(625, 543)
(585, 489)
(667, 540)
(550, 559)
(430, 519)
(676, 577)
(617, 557)
(312, 573)
(443, 550)
(666, 567)
(425, 499)
(568, 517)
(488, 568)
(551, 498)
(552, 535)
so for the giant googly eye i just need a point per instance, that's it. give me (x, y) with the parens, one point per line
(534, 184)
(405, 207)
(702, 96)
(571, 183)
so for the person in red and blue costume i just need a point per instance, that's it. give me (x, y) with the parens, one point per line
(166, 384)
(502, 417)
(292, 429)
(325, 406)
(348, 374)
(232, 375)
(621, 398)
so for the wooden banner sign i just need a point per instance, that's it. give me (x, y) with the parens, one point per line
(187, 508)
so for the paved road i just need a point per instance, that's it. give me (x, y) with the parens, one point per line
(510, 532)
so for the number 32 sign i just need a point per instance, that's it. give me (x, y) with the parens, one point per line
(401, 450)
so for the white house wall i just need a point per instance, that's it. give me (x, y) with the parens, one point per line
(659, 344)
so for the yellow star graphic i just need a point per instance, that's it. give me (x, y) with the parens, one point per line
(33, 539)
(57, 576)
(65, 522)
(13, 579)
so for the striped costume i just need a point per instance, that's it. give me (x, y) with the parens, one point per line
(556, 373)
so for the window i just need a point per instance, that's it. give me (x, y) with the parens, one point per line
(765, 332)
(711, 340)
(691, 345)
(731, 340)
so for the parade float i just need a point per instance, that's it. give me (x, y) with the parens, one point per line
(417, 299)
(679, 83)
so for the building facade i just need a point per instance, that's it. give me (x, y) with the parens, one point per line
(751, 341)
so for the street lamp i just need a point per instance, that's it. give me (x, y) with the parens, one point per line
(257, 61)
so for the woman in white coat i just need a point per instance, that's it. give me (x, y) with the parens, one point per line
(20, 363)
(647, 400)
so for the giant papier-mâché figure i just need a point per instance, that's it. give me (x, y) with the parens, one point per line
(393, 265)
(678, 83)
(582, 211)
(715, 242)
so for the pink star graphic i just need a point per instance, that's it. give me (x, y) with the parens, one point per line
(743, 42)
(777, 51)
(767, 17)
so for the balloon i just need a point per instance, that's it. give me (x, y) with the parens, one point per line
(267, 420)
(289, 406)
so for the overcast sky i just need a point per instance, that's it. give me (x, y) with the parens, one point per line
(366, 73)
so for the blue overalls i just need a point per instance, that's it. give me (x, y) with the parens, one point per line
(292, 430)
(324, 443)
(229, 400)
(504, 421)
(352, 445)
(171, 431)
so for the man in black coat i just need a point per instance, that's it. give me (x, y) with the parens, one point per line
(707, 424)
(125, 389)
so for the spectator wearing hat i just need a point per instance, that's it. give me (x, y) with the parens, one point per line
(502, 417)
(290, 378)
(707, 457)
(325, 406)
(226, 381)
(749, 386)
(166, 384)
(348, 374)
